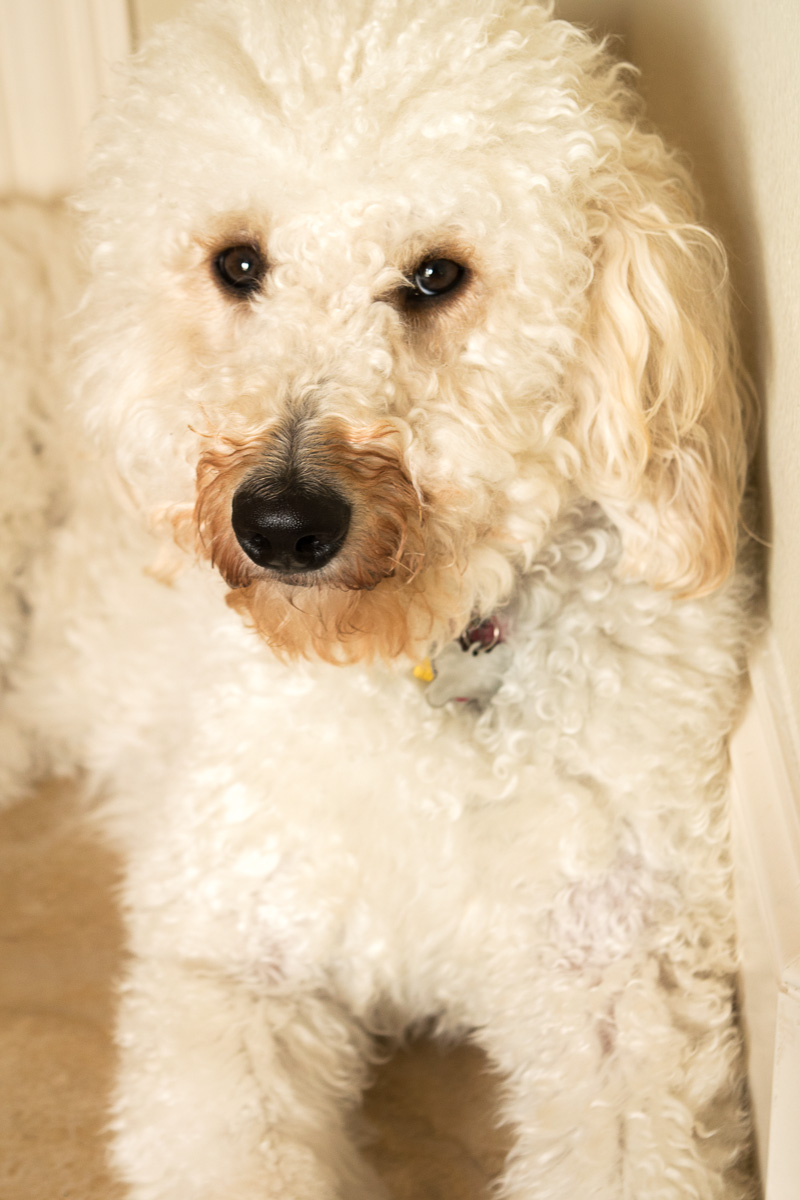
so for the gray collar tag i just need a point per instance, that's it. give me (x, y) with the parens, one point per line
(471, 668)
(464, 675)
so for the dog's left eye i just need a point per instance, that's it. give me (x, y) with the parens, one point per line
(436, 277)
(240, 269)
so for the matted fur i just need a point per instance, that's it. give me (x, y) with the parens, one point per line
(314, 853)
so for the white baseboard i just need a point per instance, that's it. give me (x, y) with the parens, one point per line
(56, 61)
(766, 811)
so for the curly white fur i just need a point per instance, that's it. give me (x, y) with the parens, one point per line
(315, 854)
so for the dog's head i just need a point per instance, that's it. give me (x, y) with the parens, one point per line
(378, 290)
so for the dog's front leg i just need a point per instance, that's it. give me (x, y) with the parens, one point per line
(620, 1087)
(226, 1094)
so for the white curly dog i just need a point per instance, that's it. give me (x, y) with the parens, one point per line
(401, 641)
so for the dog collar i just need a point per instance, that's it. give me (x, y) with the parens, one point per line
(470, 668)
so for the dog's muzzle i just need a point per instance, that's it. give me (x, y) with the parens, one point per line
(294, 530)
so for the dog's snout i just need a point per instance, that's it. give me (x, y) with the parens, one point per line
(294, 530)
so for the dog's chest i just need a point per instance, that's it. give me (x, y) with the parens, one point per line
(290, 816)
(320, 816)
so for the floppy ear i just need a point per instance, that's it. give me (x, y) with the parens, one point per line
(658, 416)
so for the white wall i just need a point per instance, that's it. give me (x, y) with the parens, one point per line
(146, 13)
(56, 59)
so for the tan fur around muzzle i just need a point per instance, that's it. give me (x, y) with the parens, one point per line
(384, 593)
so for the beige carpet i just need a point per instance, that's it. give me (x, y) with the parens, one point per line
(60, 949)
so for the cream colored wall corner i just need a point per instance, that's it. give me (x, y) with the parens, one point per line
(766, 844)
(56, 60)
(147, 13)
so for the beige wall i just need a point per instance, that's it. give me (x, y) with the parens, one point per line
(146, 13)
(56, 60)
(722, 80)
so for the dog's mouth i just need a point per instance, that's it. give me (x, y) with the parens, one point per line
(325, 542)
(325, 507)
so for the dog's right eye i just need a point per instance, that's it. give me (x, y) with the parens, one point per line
(436, 277)
(433, 281)
(240, 269)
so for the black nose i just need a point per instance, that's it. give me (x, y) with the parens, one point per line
(294, 530)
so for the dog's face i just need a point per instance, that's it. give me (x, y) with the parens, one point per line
(373, 301)
(369, 461)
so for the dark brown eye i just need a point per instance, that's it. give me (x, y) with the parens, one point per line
(436, 277)
(240, 269)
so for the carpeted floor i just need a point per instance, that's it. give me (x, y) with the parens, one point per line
(60, 950)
